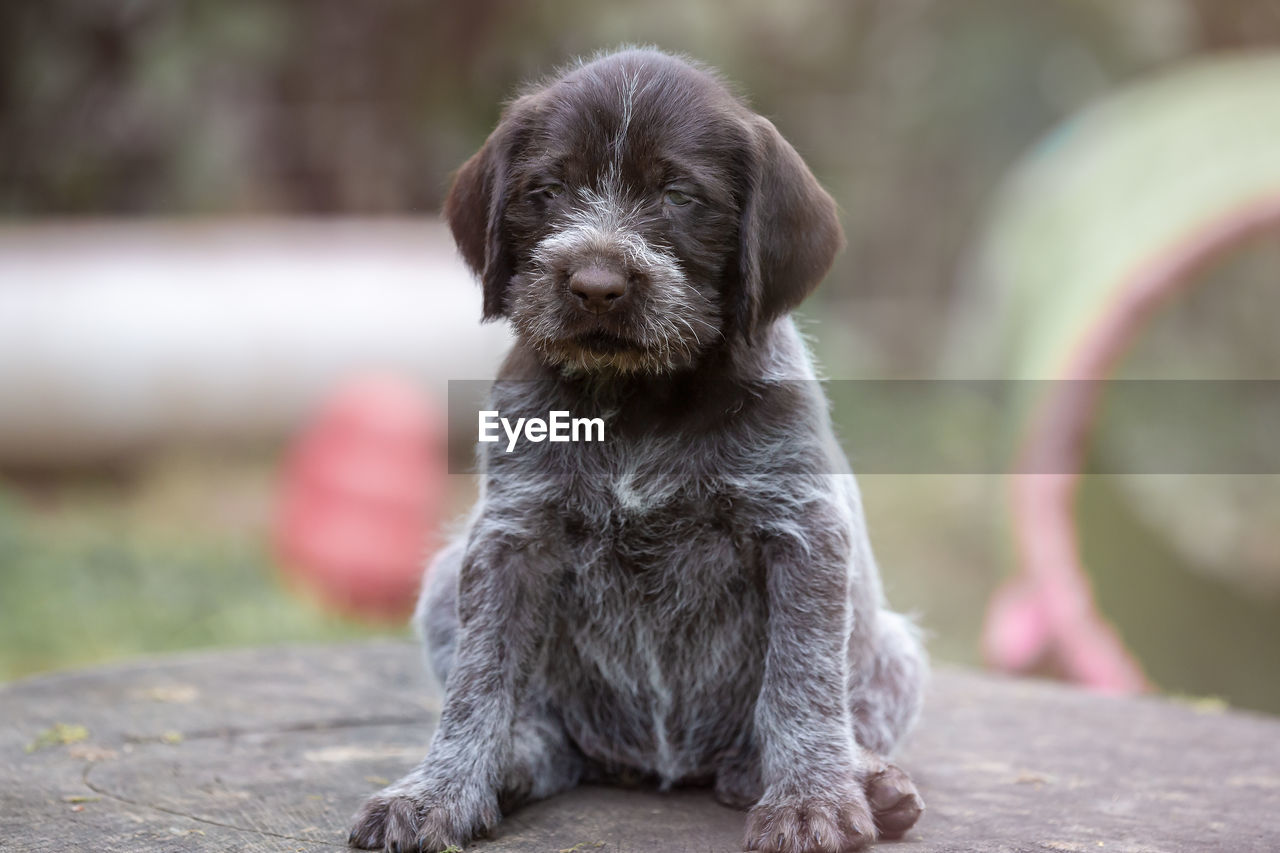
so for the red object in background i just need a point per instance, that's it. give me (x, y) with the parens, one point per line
(361, 496)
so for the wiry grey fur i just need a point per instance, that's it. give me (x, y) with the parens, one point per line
(694, 600)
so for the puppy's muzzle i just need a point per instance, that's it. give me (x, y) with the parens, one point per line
(599, 289)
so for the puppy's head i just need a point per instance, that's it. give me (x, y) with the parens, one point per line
(632, 215)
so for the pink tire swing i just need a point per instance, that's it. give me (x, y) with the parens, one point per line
(1111, 218)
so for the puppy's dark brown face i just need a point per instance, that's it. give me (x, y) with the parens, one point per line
(633, 215)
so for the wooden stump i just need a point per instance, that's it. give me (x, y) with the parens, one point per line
(274, 749)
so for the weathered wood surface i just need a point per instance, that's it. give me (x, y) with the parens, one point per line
(275, 749)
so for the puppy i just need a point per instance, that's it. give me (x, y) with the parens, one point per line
(693, 600)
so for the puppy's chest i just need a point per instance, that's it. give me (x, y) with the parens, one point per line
(670, 544)
(647, 532)
(660, 634)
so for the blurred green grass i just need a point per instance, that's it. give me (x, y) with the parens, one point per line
(173, 556)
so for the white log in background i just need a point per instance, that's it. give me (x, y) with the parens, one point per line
(114, 337)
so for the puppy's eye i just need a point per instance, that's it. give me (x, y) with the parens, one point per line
(677, 198)
(549, 191)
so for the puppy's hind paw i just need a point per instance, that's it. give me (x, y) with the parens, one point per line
(817, 824)
(739, 786)
(895, 802)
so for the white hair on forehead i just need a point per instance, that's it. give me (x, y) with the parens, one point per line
(627, 86)
(629, 89)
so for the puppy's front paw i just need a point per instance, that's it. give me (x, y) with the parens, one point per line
(420, 816)
(831, 822)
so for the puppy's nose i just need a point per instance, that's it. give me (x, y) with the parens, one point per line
(598, 289)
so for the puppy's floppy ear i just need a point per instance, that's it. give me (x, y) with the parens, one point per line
(477, 203)
(789, 233)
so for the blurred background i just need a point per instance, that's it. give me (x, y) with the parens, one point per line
(223, 281)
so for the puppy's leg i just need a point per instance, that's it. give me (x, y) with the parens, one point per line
(453, 795)
(813, 770)
(886, 688)
(544, 761)
(436, 618)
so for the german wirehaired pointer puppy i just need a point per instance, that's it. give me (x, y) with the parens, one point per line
(693, 600)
